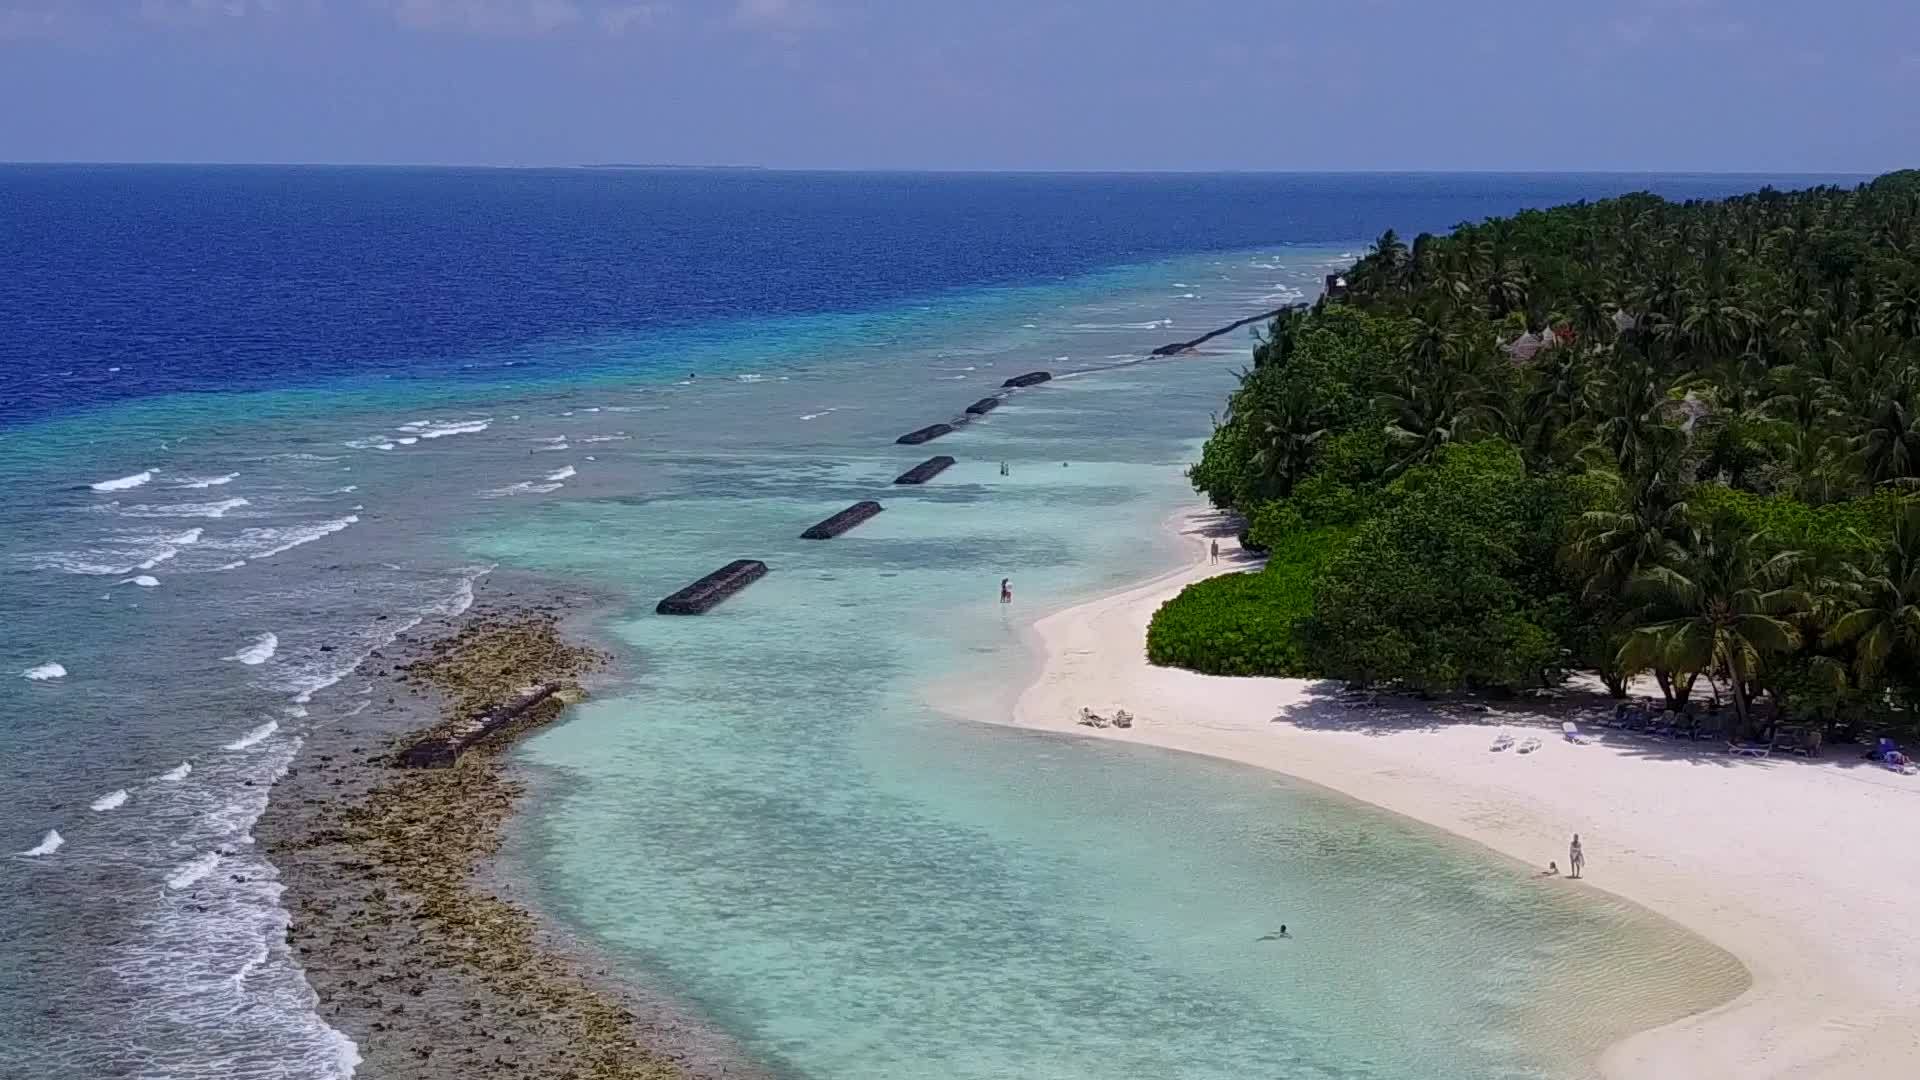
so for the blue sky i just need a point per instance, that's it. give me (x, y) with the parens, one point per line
(1760, 85)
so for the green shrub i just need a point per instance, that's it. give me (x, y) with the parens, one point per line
(1245, 624)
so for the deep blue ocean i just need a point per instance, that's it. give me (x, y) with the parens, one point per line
(257, 422)
(128, 281)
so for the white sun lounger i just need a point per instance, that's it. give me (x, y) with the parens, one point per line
(1573, 733)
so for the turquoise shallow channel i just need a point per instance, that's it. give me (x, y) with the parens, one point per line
(768, 815)
(776, 820)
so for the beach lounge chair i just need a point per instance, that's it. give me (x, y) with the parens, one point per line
(1750, 749)
(1573, 733)
(1501, 742)
(1528, 745)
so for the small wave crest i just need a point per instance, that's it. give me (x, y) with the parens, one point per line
(259, 652)
(178, 772)
(563, 473)
(145, 581)
(256, 736)
(203, 482)
(434, 429)
(45, 672)
(266, 542)
(206, 509)
(112, 800)
(193, 870)
(48, 844)
(125, 482)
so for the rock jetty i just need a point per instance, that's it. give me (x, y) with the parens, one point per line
(842, 521)
(700, 597)
(1031, 378)
(441, 748)
(924, 471)
(984, 406)
(1182, 346)
(925, 434)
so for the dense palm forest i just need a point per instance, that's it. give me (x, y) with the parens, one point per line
(1630, 437)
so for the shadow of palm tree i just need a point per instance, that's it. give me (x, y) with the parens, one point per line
(1328, 706)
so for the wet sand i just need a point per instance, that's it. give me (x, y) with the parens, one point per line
(416, 939)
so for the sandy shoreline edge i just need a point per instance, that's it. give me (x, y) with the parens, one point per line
(1769, 860)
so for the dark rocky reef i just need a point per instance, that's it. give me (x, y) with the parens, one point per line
(1031, 378)
(1182, 346)
(925, 434)
(924, 471)
(441, 748)
(984, 406)
(842, 521)
(701, 596)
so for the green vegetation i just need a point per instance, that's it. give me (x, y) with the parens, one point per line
(1245, 624)
(1630, 436)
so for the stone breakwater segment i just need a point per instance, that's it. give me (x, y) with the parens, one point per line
(701, 596)
(1182, 346)
(842, 521)
(924, 471)
(925, 434)
(984, 406)
(441, 749)
(1031, 378)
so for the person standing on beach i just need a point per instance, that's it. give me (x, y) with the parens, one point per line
(1006, 590)
(1576, 859)
(1214, 551)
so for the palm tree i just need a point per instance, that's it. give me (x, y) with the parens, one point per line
(1285, 431)
(1723, 607)
(1882, 613)
(1889, 449)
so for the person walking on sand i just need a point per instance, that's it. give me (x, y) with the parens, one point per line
(1576, 859)
(1213, 550)
(1006, 590)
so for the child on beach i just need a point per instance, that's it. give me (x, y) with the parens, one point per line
(1006, 590)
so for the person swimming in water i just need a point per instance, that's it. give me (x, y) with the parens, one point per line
(1276, 935)
(1006, 590)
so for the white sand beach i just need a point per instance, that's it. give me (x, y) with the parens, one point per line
(1807, 871)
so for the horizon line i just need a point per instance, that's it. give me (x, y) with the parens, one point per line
(931, 170)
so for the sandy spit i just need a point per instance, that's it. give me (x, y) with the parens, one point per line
(1806, 871)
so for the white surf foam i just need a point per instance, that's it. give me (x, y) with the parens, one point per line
(259, 652)
(431, 429)
(371, 442)
(187, 873)
(234, 565)
(145, 581)
(125, 482)
(524, 487)
(202, 482)
(257, 735)
(263, 543)
(206, 509)
(1155, 324)
(178, 772)
(48, 844)
(618, 437)
(563, 473)
(45, 672)
(110, 801)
